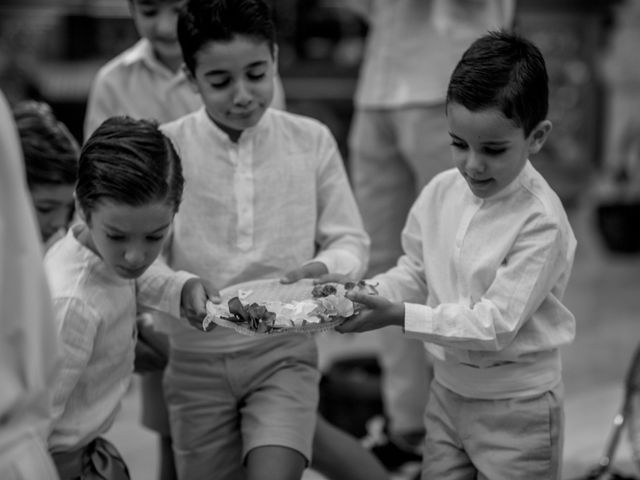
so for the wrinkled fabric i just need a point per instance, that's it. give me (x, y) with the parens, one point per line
(100, 460)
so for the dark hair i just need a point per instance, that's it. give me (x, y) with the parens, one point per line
(128, 161)
(505, 71)
(50, 151)
(204, 21)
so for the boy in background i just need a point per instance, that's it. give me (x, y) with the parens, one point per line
(51, 163)
(488, 252)
(146, 80)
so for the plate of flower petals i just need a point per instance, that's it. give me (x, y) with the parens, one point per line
(269, 307)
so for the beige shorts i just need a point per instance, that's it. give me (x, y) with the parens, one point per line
(493, 439)
(224, 405)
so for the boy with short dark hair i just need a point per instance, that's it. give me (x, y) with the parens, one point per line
(488, 252)
(266, 196)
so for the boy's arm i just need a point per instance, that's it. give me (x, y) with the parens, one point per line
(528, 276)
(174, 293)
(160, 289)
(77, 333)
(406, 281)
(340, 234)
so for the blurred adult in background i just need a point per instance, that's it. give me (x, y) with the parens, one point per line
(28, 341)
(397, 143)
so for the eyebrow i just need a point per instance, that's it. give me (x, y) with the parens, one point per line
(117, 230)
(259, 63)
(493, 143)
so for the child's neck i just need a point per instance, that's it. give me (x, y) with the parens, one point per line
(170, 63)
(83, 236)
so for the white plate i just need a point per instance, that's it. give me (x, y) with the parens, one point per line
(267, 292)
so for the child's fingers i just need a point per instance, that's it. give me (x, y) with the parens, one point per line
(211, 293)
(362, 298)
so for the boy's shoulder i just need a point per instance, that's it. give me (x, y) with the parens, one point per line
(539, 188)
(121, 64)
(291, 127)
(295, 125)
(185, 122)
(444, 181)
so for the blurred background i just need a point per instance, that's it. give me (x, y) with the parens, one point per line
(51, 49)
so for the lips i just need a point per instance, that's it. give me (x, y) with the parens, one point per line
(242, 115)
(479, 181)
(131, 272)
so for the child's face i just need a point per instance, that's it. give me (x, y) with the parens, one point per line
(236, 81)
(488, 149)
(157, 20)
(127, 238)
(54, 206)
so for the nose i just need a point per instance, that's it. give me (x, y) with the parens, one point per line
(58, 219)
(167, 23)
(475, 162)
(242, 94)
(134, 255)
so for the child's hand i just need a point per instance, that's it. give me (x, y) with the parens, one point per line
(375, 312)
(310, 270)
(195, 294)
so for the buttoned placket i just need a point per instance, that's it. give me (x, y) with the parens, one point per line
(463, 285)
(241, 155)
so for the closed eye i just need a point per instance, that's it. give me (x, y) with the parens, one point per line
(494, 151)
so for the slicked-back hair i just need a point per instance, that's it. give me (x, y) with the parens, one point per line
(131, 162)
(505, 71)
(50, 151)
(203, 21)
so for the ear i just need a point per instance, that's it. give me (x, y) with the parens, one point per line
(539, 135)
(190, 78)
(79, 212)
(275, 59)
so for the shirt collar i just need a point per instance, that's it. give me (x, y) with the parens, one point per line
(247, 135)
(142, 52)
(91, 259)
(515, 184)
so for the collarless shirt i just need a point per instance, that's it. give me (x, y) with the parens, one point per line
(95, 315)
(484, 280)
(135, 83)
(255, 209)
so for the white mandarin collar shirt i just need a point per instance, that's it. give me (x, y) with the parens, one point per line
(273, 201)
